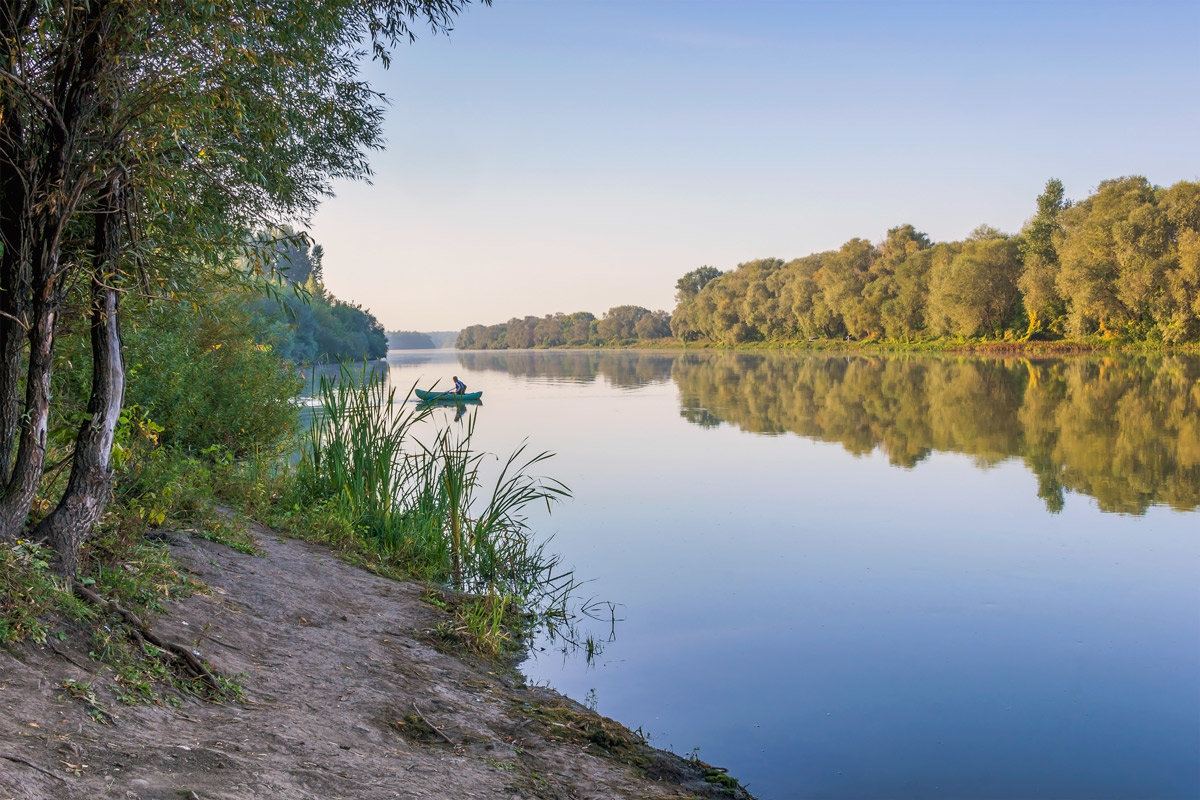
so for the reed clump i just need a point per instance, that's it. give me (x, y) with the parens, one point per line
(426, 499)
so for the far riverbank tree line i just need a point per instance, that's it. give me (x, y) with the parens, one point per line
(1124, 263)
(620, 325)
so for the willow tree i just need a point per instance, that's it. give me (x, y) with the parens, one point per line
(973, 284)
(843, 277)
(142, 142)
(1129, 260)
(1110, 247)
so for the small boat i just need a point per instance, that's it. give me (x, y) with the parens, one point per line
(427, 396)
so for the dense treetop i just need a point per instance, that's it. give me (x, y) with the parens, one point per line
(409, 340)
(620, 325)
(1123, 262)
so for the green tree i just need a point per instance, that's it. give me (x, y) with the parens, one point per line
(579, 328)
(761, 311)
(409, 340)
(686, 290)
(974, 292)
(1038, 281)
(549, 331)
(801, 295)
(319, 327)
(141, 144)
(842, 279)
(716, 310)
(1113, 249)
(1178, 306)
(896, 287)
(904, 314)
(619, 324)
(692, 282)
(518, 332)
(654, 325)
(472, 337)
(207, 377)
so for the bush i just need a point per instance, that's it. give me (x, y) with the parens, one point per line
(207, 379)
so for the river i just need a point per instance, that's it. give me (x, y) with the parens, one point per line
(863, 576)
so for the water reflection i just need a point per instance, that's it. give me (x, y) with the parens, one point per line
(1122, 430)
(626, 369)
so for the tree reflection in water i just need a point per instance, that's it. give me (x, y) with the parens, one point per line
(1124, 430)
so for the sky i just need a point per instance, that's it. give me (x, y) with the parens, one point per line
(574, 155)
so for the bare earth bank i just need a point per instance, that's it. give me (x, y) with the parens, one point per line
(346, 697)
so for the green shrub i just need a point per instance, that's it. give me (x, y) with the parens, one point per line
(205, 377)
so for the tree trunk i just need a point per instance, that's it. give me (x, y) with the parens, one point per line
(14, 260)
(90, 484)
(14, 288)
(53, 179)
(12, 343)
(12, 335)
(31, 452)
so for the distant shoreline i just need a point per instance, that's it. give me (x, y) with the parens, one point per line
(981, 347)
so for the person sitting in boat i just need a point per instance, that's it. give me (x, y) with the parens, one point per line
(459, 386)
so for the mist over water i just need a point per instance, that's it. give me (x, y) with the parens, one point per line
(849, 576)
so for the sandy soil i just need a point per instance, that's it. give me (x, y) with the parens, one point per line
(347, 696)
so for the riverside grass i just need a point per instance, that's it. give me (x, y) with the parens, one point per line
(424, 502)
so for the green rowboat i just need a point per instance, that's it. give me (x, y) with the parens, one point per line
(447, 397)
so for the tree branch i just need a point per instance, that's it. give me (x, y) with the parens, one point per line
(51, 111)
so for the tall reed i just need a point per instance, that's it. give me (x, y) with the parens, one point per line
(426, 501)
(491, 544)
(354, 454)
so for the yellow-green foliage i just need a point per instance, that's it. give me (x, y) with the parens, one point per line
(1122, 264)
(1121, 429)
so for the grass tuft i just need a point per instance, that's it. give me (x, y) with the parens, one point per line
(426, 506)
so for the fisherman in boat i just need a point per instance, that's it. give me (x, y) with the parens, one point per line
(459, 386)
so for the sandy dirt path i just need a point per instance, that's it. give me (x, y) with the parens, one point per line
(346, 697)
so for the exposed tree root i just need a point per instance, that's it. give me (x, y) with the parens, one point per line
(140, 630)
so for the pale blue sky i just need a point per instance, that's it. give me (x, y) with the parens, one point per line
(562, 155)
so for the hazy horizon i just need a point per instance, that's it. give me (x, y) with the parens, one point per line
(574, 156)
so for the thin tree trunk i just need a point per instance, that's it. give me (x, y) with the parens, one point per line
(14, 265)
(12, 335)
(14, 287)
(31, 452)
(38, 304)
(12, 343)
(90, 484)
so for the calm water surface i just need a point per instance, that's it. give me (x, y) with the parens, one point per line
(848, 577)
